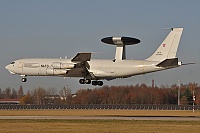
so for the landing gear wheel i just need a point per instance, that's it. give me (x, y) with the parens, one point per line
(87, 81)
(100, 83)
(94, 83)
(82, 81)
(24, 79)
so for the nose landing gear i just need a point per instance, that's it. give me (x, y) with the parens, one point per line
(24, 79)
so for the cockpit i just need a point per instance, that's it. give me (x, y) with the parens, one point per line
(10, 67)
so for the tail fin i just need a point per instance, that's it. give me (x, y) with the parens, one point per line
(168, 48)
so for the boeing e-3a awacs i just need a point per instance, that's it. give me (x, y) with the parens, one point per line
(95, 70)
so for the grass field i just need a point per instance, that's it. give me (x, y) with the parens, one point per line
(98, 113)
(99, 126)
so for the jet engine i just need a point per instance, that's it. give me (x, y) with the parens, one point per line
(59, 65)
(52, 71)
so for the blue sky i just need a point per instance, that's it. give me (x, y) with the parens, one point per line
(59, 28)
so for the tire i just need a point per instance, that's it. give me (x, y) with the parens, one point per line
(100, 83)
(88, 81)
(94, 83)
(82, 81)
(24, 79)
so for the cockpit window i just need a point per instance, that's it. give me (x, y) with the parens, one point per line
(12, 62)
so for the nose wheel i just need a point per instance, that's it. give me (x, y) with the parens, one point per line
(24, 79)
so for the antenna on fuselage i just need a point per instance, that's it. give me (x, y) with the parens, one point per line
(120, 43)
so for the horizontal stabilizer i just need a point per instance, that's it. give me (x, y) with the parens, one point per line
(82, 57)
(168, 63)
(189, 63)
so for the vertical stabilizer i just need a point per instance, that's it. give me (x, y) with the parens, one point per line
(168, 48)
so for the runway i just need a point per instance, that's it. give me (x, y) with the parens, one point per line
(165, 118)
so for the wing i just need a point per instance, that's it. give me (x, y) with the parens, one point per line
(82, 57)
(81, 65)
(81, 60)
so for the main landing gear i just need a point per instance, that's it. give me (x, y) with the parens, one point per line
(88, 81)
(99, 83)
(85, 81)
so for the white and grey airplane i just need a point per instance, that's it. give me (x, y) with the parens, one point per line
(95, 70)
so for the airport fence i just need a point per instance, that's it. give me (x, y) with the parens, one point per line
(97, 106)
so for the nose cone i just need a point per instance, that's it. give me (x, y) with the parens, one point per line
(8, 67)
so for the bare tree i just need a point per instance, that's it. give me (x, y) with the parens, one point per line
(14, 94)
(38, 95)
(51, 91)
(7, 92)
(1, 94)
(20, 92)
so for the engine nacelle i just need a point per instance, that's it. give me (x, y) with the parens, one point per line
(52, 71)
(59, 65)
(67, 66)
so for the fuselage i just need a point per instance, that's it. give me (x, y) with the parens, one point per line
(81, 65)
(101, 69)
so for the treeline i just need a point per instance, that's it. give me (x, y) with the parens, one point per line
(138, 94)
(9, 93)
(133, 94)
(34, 96)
